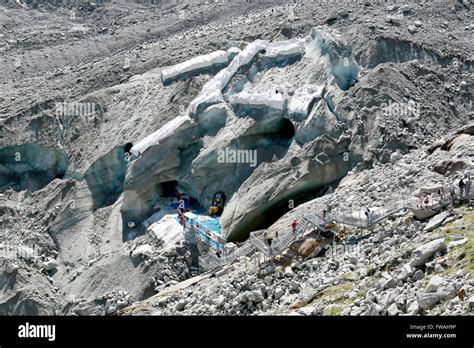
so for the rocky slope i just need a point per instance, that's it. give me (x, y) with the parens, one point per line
(400, 270)
(391, 111)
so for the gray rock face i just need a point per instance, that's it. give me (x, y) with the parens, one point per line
(423, 253)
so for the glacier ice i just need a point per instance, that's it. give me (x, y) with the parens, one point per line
(195, 66)
(268, 99)
(212, 90)
(302, 99)
(154, 138)
(31, 166)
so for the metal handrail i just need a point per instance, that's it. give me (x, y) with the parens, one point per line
(256, 242)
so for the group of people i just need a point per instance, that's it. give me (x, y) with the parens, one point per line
(425, 200)
(369, 214)
(465, 185)
(271, 239)
(462, 185)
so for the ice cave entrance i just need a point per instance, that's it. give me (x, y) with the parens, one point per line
(165, 223)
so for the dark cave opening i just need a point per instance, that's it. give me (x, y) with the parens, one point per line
(266, 215)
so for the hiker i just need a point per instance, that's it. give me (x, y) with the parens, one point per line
(367, 213)
(419, 202)
(237, 244)
(427, 200)
(276, 239)
(181, 217)
(441, 194)
(468, 182)
(218, 253)
(371, 216)
(293, 226)
(269, 241)
(267, 238)
(462, 188)
(325, 213)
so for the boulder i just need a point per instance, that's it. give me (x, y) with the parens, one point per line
(394, 157)
(436, 221)
(279, 292)
(418, 275)
(390, 283)
(11, 267)
(427, 300)
(50, 264)
(26, 253)
(371, 310)
(412, 29)
(447, 291)
(395, 20)
(434, 283)
(470, 302)
(413, 308)
(143, 250)
(424, 252)
(393, 310)
(288, 272)
(111, 309)
(180, 305)
(307, 247)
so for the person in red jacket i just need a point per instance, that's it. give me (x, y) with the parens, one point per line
(293, 226)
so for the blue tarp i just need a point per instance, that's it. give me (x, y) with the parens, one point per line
(208, 223)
